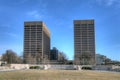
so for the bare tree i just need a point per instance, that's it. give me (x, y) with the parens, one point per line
(85, 58)
(62, 57)
(11, 57)
(31, 59)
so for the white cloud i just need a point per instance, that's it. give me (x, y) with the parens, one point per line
(23, 1)
(108, 2)
(19, 2)
(11, 34)
(34, 14)
(117, 46)
(5, 26)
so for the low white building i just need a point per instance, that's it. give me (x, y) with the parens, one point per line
(100, 59)
(19, 66)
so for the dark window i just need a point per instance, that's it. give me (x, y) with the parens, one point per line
(84, 25)
(77, 24)
(90, 25)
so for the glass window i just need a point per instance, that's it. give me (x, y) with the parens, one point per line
(90, 25)
(77, 25)
(84, 25)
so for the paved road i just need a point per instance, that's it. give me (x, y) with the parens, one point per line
(11, 70)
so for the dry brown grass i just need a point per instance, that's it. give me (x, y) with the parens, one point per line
(58, 75)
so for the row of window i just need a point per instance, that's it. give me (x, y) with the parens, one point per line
(29, 34)
(91, 25)
(34, 31)
(84, 28)
(84, 32)
(33, 25)
(85, 37)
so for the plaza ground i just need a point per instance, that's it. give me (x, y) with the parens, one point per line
(59, 75)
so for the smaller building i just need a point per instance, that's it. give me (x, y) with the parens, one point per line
(2, 63)
(0, 57)
(100, 59)
(57, 57)
(54, 54)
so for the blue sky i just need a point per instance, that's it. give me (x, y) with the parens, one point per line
(58, 15)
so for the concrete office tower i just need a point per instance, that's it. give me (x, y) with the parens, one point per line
(36, 42)
(84, 42)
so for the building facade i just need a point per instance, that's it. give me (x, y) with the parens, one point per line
(100, 59)
(0, 57)
(84, 42)
(54, 54)
(36, 42)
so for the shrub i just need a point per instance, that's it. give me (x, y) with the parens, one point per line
(36, 67)
(87, 68)
(31, 67)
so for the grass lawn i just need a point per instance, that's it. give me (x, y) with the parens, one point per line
(58, 75)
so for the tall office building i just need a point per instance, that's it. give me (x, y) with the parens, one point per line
(36, 42)
(84, 42)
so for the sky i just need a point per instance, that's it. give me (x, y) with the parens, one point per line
(58, 15)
